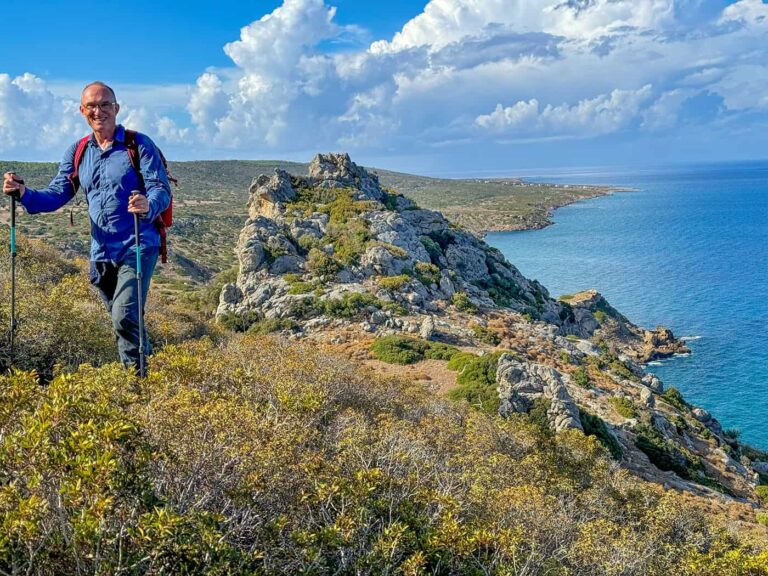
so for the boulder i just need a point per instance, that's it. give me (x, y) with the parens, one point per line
(520, 384)
(268, 195)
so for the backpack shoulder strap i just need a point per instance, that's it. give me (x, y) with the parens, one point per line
(74, 177)
(133, 154)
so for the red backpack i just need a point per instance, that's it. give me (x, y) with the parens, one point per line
(165, 219)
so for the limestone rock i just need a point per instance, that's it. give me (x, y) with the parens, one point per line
(519, 384)
(338, 171)
(652, 381)
(269, 194)
(427, 329)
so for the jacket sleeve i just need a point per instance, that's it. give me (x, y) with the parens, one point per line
(59, 191)
(156, 182)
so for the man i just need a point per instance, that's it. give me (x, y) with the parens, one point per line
(108, 180)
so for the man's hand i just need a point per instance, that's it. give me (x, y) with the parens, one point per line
(138, 203)
(13, 185)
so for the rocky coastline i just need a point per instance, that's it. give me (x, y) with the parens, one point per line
(334, 257)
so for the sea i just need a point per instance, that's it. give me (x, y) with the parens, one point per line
(686, 248)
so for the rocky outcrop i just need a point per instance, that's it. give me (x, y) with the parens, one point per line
(306, 235)
(594, 317)
(521, 384)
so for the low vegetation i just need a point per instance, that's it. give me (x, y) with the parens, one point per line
(397, 349)
(249, 454)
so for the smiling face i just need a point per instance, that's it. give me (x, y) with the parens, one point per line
(100, 109)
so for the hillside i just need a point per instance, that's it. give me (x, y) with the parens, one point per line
(421, 408)
(208, 210)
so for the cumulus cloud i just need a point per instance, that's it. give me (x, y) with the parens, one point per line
(32, 118)
(603, 114)
(484, 71)
(279, 69)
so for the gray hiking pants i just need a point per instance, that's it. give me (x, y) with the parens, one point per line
(119, 290)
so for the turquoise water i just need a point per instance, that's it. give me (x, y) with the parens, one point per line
(688, 249)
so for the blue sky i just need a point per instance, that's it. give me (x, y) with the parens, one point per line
(442, 87)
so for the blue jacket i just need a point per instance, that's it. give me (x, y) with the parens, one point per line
(107, 179)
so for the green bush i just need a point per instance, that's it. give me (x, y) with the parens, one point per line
(581, 377)
(433, 249)
(348, 306)
(762, 495)
(321, 264)
(476, 382)
(301, 288)
(672, 396)
(600, 316)
(427, 273)
(538, 415)
(594, 426)
(485, 335)
(440, 351)
(665, 454)
(462, 302)
(397, 349)
(394, 282)
(624, 406)
(238, 322)
(621, 369)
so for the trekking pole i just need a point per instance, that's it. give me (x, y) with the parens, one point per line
(142, 366)
(14, 324)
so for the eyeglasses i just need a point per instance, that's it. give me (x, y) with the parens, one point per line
(93, 106)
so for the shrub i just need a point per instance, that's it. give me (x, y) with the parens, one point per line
(600, 316)
(440, 351)
(672, 395)
(397, 349)
(476, 382)
(762, 495)
(238, 322)
(624, 406)
(762, 518)
(594, 426)
(665, 454)
(348, 306)
(581, 377)
(321, 264)
(394, 282)
(427, 273)
(538, 415)
(259, 456)
(485, 335)
(621, 369)
(60, 318)
(433, 249)
(269, 325)
(462, 302)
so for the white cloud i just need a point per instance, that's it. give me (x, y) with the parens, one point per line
(31, 117)
(747, 12)
(603, 114)
(462, 71)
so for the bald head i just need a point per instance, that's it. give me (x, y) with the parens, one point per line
(100, 85)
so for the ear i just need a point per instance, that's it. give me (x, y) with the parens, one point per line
(117, 108)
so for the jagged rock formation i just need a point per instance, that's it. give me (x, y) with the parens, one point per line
(342, 233)
(595, 317)
(521, 384)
